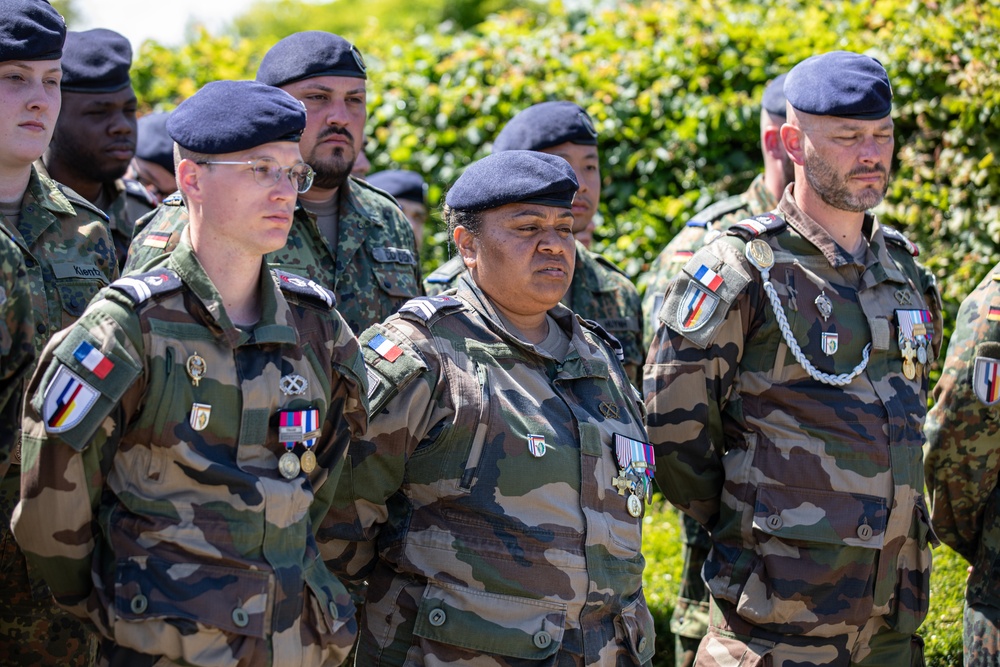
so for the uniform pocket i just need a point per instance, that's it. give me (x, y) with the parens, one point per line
(636, 630)
(74, 295)
(395, 279)
(815, 559)
(488, 623)
(329, 609)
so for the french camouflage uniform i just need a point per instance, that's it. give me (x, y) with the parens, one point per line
(151, 498)
(373, 269)
(69, 257)
(599, 291)
(17, 352)
(478, 549)
(801, 460)
(962, 462)
(703, 226)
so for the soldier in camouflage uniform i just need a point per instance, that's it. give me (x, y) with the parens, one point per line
(962, 463)
(17, 351)
(600, 291)
(68, 257)
(94, 139)
(184, 435)
(347, 236)
(786, 390)
(487, 508)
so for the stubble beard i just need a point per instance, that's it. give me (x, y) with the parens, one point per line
(334, 170)
(833, 189)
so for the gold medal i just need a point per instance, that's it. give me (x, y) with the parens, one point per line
(909, 368)
(634, 506)
(308, 461)
(288, 465)
(195, 368)
(760, 254)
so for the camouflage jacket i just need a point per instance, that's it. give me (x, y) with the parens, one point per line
(152, 502)
(962, 462)
(599, 292)
(478, 549)
(17, 352)
(375, 269)
(812, 493)
(718, 217)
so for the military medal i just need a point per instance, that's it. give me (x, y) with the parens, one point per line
(536, 445)
(295, 426)
(288, 465)
(634, 506)
(760, 254)
(915, 334)
(636, 463)
(307, 461)
(920, 333)
(824, 305)
(196, 368)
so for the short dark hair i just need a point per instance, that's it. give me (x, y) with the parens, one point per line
(453, 217)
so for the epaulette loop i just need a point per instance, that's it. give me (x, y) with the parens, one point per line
(608, 338)
(896, 237)
(751, 228)
(174, 200)
(136, 189)
(144, 286)
(304, 288)
(425, 307)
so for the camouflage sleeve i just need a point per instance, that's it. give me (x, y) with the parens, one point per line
(689, 374)
(156, 234)
(407, 401)
(17, 351)
(962, 459)
(81, 396)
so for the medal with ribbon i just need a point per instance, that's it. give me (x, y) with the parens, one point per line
(295, 426)
(915, 335)
(636, 463)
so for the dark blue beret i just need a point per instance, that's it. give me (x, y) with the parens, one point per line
(96, 61)
(509, 177)
(840, 83)
(304, 55)
(545, 125)
(230, 116)
(401, 184)
(153, 142)
(30, 30)
(773, 101)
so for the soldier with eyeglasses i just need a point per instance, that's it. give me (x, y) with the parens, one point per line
(186, 434)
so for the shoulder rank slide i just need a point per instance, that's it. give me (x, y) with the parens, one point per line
(711, 213)
(896, 237)
(304, 288)
(142, 287)
(608, 338)
(424, 307)
(135, 189)
(447, 272)
(174, 200)
(765, 223)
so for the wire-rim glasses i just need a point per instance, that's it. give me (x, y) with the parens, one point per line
(267, 172)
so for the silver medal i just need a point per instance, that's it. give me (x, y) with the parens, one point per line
(288, 465)
(634, 506)
(824, 305)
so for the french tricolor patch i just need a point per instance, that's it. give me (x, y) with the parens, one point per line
(385, 348)
(708, 278)
(93, 360)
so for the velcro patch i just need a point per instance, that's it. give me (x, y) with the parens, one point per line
(424, 307)
(78, 271)
(394, 255)
(68, 399)
(986, 380)
(303, 287)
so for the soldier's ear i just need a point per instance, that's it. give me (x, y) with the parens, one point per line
(794, 141)
(465, 241)
(189, 179)
(771, 141)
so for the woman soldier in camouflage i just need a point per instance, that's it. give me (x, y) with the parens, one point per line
(495, 506)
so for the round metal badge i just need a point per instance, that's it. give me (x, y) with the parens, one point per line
(635, 506)
(288, 465)
(760, 254)
(308, 461)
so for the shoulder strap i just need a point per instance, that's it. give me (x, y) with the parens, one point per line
(174, 200)
(424, 308)
(608, 338)
(79, 201)
(751, 228)
(895, 237)
(713, 212)
(305, 289)
(135, 189)
(142, 287)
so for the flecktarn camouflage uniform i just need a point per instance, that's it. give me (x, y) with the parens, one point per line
(812, 491)
(482, 507)
(17, 353)
(599, 292)
(152, 502)
(69, 257)
(373, 271)
(962, 462)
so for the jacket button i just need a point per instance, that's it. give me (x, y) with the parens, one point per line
(41, 328)
(865, 532)
(437, 617)
(139, 604)
(774, 522)
(333, 609)
(240, 618)
(542, 639)
(642, 645)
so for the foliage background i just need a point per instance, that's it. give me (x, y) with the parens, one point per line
(674, 87)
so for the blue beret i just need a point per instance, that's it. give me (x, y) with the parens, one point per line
(230, 116)
(773, 101)
(509, 177)
(545, 125)
(153, 142)
(840, 83)
(304, 55)
(96, 61)
(401, 184)
(30, 30)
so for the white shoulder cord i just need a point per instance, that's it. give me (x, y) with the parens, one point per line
(760, 255)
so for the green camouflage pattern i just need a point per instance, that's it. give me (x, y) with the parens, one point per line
(179, 539)
(475, 551)
(813, 494)
(130, 201)
(599, 291)
(375, 269)
(716, 217)
(17, 352)
(962, 463)
(69, 257)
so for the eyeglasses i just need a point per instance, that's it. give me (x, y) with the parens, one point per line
(267, 172)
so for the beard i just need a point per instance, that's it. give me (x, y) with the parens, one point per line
(85, 160)
(833, 189)
(333, 170)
